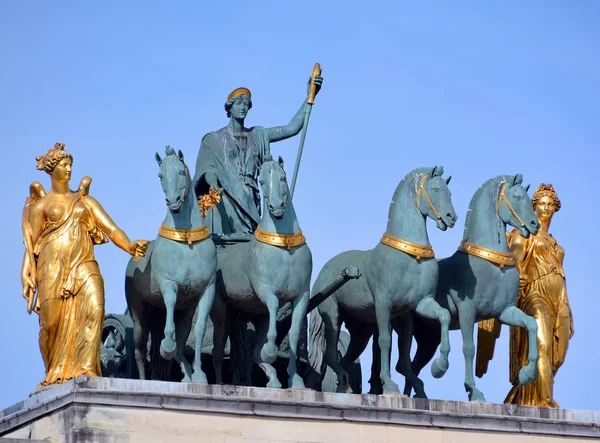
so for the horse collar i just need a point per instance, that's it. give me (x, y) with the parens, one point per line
(422, 188)
(417, 251)
(499, 258)
(508, 205)
(184, 235)
(287, 241)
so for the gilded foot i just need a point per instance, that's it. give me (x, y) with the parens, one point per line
(344, 386)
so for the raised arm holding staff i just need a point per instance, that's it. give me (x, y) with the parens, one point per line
(230, 158)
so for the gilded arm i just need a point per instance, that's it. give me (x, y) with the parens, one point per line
(116, 234)
(518, 247)
(33, 220)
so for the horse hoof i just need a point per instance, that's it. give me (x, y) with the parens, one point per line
(199, 378)
(167, 349)
(391, 388)
(274, 384)
(477, 396)
(420, 395)
(268, 353)
(527, 375)
(296, 382)
(439, 367)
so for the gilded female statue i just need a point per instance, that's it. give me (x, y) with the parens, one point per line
(543, 295)
(60, 230)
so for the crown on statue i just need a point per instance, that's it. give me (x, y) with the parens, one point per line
(239, 91)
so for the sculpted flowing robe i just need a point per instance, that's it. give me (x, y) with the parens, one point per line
(70, 294)
(236, 162)
(543, 295)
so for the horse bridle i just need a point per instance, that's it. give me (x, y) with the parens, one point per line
(500, 258)
(284, 200)
(422, 188)
(188, 181)
(503, 198)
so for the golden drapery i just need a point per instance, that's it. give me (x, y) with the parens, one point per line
(543, 295)
(70, 294)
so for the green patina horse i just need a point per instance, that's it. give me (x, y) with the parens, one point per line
(478, 282)
(399, 274)
(261, 275)
(177, 275)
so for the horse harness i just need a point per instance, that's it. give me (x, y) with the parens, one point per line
(414, 249)
(184, 235)
(287, 241)
(499, 258)
(188, 236)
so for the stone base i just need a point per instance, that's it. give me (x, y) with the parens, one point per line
(116, 410)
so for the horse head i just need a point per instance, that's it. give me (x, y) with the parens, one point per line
(274, 186)
(434, 199)
(515, 208)
(174, 178)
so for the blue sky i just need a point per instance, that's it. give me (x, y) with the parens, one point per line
(482, 89)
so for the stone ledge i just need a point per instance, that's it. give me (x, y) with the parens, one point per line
(301, 404)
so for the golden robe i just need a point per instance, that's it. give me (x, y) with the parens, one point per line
(543, 295)
(70, 294)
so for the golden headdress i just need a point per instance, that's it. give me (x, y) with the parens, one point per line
(239, 91)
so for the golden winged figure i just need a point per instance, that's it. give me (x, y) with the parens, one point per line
(60, 229)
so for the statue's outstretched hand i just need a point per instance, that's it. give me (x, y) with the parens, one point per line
(318, 84)
(138, 248)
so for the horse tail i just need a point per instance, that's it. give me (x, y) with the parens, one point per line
(316, 350)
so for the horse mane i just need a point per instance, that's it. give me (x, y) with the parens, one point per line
(492, 182)
(408, 180)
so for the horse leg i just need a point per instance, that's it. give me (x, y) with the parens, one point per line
(268, 353)
(513, 316)
(360, 334)
(262, 328)
(218, 316)
(375, 380)
(329, 311)
(382, 312)
(204, 306)
(427, 344)
(429, 308)
(403, 325)
(466, 317)
(182, 332)
(140, 334)
(168, 345)
(299, 307)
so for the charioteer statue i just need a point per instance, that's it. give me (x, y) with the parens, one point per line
(230, 158)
